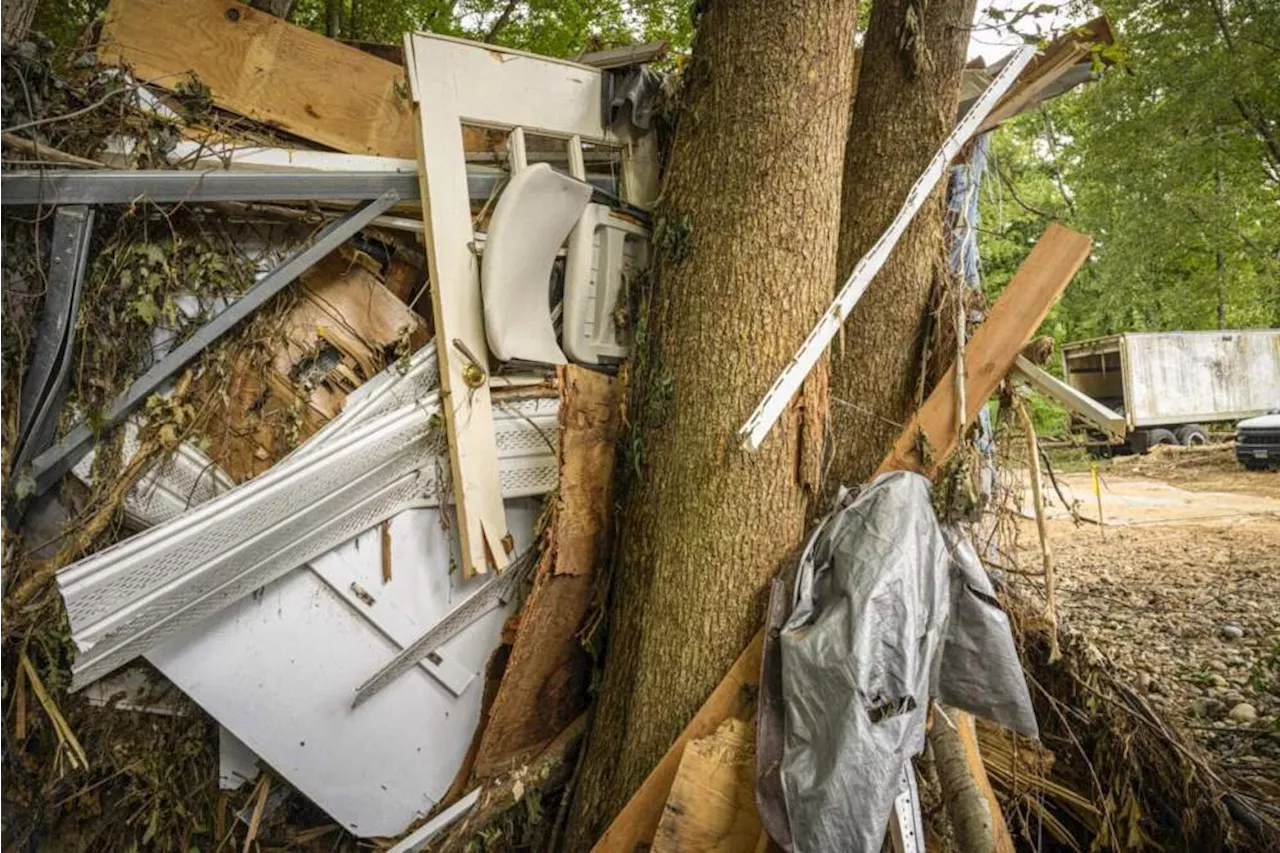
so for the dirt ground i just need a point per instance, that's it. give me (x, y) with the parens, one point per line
(1181, 588)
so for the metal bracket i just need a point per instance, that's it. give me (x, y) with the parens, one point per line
(49, 466)
(45, 384)
(497, 590)
(906, 826)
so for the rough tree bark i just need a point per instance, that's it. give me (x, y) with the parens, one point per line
(16, 17)
(747, 253)
(908, 91)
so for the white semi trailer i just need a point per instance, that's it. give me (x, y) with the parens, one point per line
(1167, 386)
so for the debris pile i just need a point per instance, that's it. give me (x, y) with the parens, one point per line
(312, 457)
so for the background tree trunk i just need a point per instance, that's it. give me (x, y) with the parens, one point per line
(908, 90)
(16, 17)
(333, 18)
(747, 253)
(279, 8)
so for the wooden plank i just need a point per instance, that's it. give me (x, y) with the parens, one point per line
(1066, 52)
(991, 351)
(1009, 325)
(264, 68)
(712, 803)
(734, 697)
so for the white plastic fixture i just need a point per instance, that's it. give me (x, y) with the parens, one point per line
(534, 214)
(607, 254)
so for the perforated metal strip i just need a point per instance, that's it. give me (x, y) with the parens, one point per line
(382, 455)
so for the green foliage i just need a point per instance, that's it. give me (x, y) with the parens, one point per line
(1170, 161)
(551, 27)
(1049, 418)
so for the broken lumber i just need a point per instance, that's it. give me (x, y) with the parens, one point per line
(545, 684)
(712, 805)
(734, 697)
(259, 66)
(1046, 69)
(990, 353)
(344, 327)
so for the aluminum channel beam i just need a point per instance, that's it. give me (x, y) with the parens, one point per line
(172, 186)
(168, 186)
(49, 466)
(44, 387)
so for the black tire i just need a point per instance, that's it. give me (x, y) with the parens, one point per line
(1153, 437)
(1192, 435)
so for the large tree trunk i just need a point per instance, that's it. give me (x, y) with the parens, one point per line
(908, 89)
(747, 250)
(16, 17)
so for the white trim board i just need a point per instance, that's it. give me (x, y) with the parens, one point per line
(455, 82)
(788, 383)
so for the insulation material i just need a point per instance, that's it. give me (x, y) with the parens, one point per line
(892, 610)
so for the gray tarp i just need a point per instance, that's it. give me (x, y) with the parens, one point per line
(891, 609)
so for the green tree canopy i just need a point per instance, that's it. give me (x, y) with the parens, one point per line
(1170, 161)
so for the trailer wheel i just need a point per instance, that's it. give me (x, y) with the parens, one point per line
(1192, 435)
(1158, 436)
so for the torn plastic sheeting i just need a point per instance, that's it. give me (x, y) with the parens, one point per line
(635, 96)
(891, 609)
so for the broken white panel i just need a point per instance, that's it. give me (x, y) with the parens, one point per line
(454, 82)
(278, 669)
(136, 689)
(788, 383)
(185, 479)
(607, 254)
(237, 763)
(533, 216)
(131, 597)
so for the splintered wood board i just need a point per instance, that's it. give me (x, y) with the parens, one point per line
(452, 82)
(712, 806)
(259, 66)
(989, 355)
(734, 697)
(544, 687)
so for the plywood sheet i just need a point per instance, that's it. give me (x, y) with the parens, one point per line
(269, 70)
